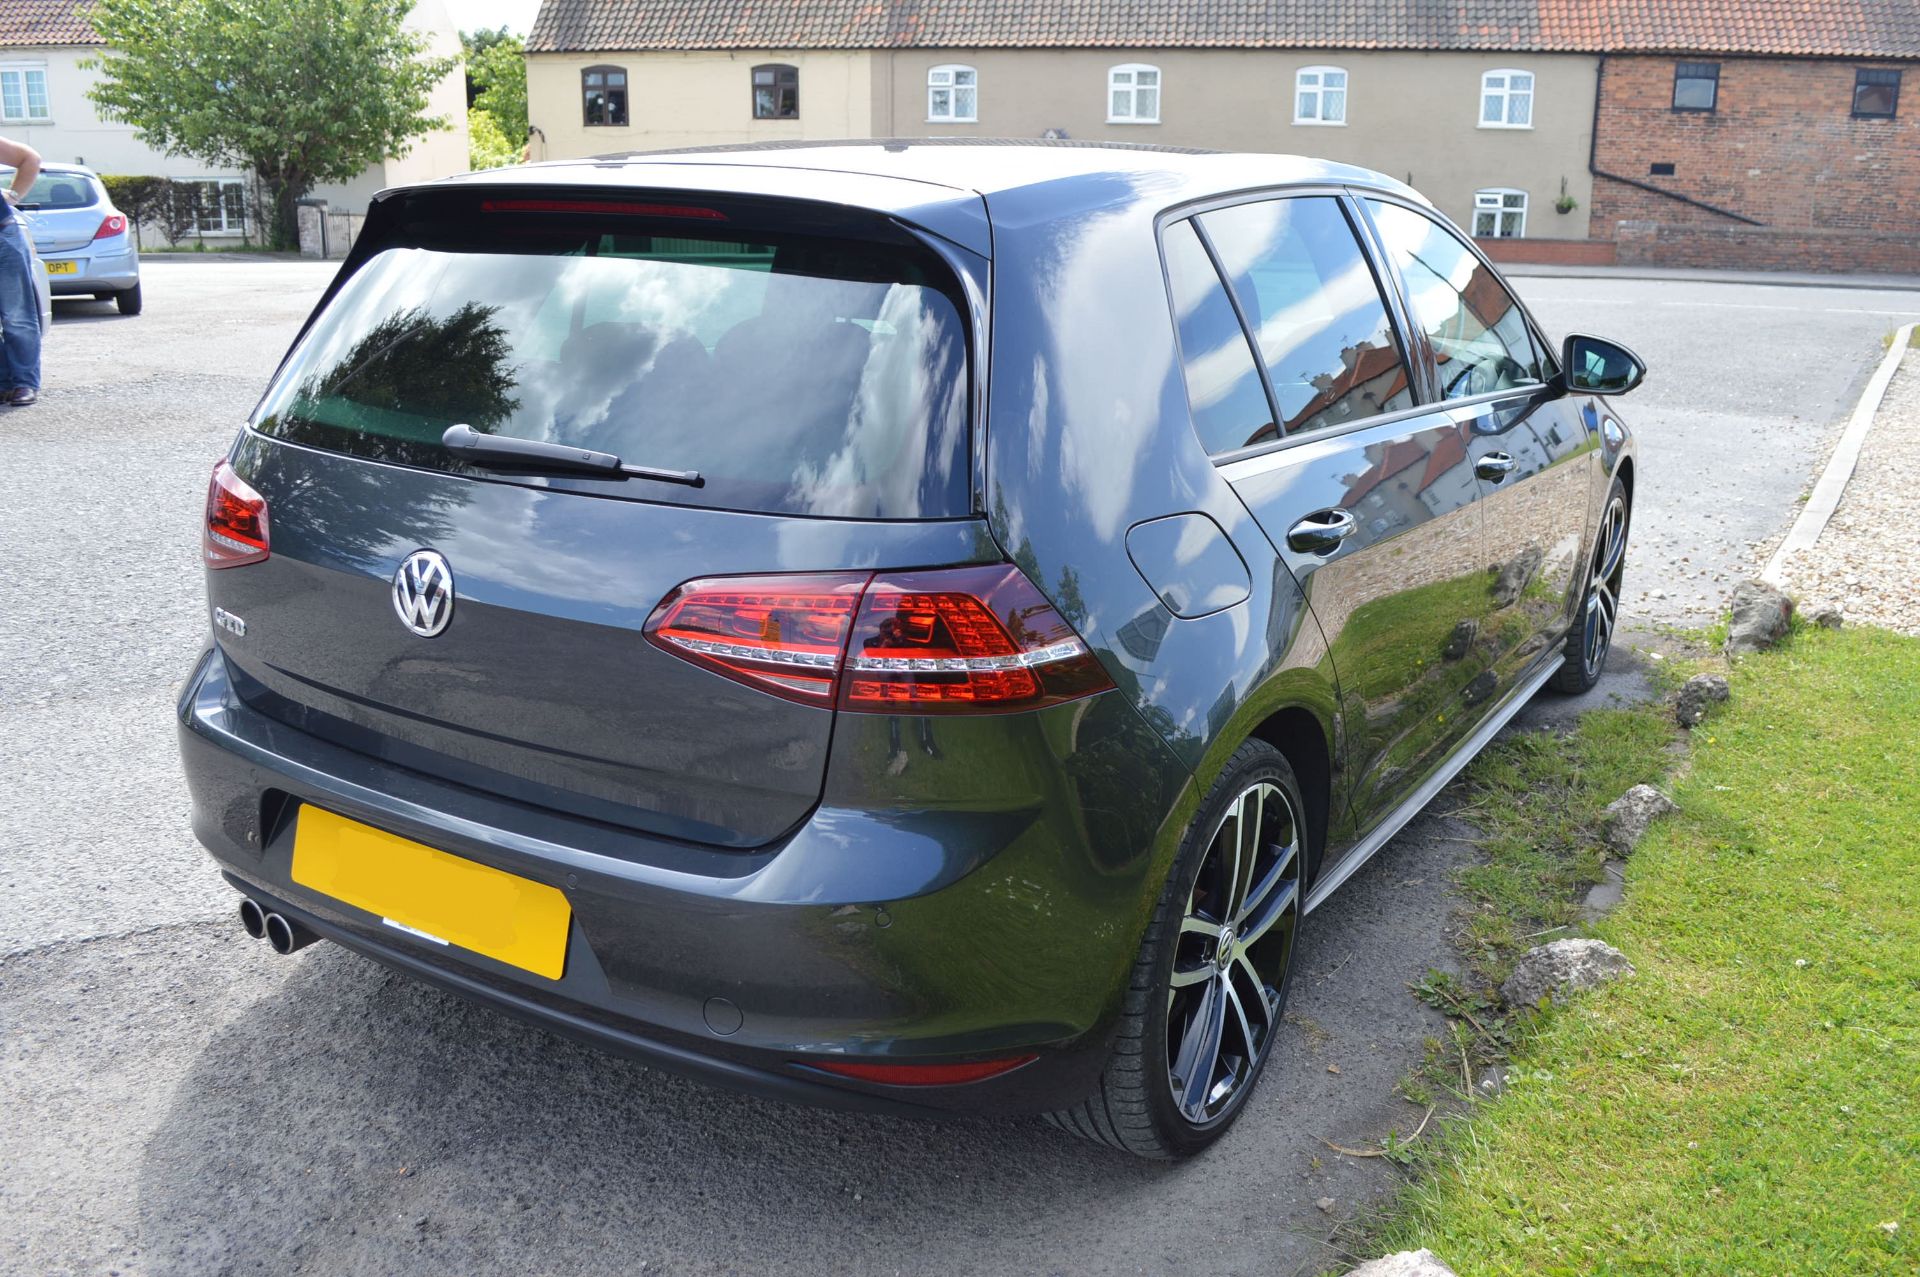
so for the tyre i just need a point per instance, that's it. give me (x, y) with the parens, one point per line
(1591, 637)
(128, 301)
(1203, 1006)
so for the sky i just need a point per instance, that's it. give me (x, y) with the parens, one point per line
(475, 15)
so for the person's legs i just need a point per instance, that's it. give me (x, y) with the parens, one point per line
(19, 310)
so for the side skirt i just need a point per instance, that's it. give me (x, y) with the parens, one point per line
(1396, 819)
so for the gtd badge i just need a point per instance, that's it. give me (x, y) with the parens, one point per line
(423, 593)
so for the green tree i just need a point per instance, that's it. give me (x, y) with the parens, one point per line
(499, 75)
(475, 43)
(487, 146)
(296, 91)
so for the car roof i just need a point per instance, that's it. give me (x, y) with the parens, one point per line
(941, 183)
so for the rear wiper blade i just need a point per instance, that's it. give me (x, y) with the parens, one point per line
(502, 452)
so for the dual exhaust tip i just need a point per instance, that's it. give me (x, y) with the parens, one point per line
(283, 933)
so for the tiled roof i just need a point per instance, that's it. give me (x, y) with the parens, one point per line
(43, 22)
(1870, 28)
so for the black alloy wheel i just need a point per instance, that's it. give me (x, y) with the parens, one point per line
(1204, 1006)
(1230, 961)
(1591, 637)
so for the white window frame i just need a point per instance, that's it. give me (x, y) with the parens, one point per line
(1493, 200)
(1319, 87)
(22, 70)
(1125, 78)
(945, 78)
(1506, 93)
(227, 225)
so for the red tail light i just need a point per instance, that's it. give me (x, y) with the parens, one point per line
(781, 634)
(951, 640)
(963, 639)
(236, 530)
(114, 225)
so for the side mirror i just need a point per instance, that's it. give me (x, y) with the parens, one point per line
(1593, 366)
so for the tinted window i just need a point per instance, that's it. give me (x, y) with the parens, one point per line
(58, 190)
(798, 374)
(1317, 318)
(1230, 407)
(1478, 332)
(1876, 94)
(1696, 86)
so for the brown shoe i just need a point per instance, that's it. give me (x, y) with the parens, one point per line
(22, 396)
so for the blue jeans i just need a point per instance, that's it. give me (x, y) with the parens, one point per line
(19, 309)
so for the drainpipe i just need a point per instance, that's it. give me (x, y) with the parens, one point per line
(1593, 163)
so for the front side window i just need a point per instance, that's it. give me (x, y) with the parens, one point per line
(1133, 94)
(603, 92)
(1500, 213)
(1506, 100)
(799, 374)
(1224, 390)
(1696, 86)
(1479, 334)
(1315, 310)
(953, 95)
(1876, 94)
(776, 92)
(23, 94)
(1320, 96)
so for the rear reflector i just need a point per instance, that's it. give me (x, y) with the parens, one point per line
(950, 640)
(921, 1074)
(620, 208)
(114, 225)
(236, 526)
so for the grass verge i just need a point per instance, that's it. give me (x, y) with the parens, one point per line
(1750, 1102)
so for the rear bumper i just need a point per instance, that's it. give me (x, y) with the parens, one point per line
(105, 273)
(878, 930)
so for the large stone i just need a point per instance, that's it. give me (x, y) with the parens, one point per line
(1408, 1263)
(1514, 575)
(1700, 692)
(1460, 642)
(1561, 969)
(1760, 615)
(1627, 817)
(1828, 616)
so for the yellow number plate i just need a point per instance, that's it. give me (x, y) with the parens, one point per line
(63, 268)
(438, 897)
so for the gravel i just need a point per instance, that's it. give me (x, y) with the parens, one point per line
(1868, 559)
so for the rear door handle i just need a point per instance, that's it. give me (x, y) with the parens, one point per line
(1495, 466)
(1321, 532)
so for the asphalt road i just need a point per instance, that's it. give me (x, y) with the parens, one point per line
(1746, 391)
(180, 1101)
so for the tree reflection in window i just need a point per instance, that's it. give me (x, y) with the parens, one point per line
(410, 377)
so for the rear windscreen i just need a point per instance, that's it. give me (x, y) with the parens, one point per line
(58, 190)
(798, 374)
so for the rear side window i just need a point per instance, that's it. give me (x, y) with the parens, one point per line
(799, 374)
(1318, 319)
(1477, 330)
(1230, 408)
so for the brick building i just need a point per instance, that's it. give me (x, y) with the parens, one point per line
(1732, 133)
(1788, 144)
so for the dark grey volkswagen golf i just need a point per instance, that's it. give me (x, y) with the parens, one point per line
(911, 627)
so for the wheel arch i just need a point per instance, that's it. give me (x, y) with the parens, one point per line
(1299, 734)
